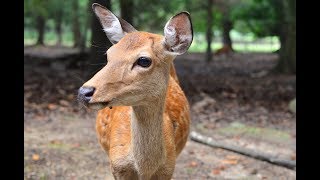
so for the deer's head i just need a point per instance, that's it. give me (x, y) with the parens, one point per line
(138, 64)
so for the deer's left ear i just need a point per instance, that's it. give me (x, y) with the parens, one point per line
(178, 33)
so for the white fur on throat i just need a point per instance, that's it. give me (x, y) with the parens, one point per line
(147, 139)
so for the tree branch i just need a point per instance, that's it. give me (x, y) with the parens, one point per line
(258, 155)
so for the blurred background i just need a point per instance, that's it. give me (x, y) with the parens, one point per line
(239, 76)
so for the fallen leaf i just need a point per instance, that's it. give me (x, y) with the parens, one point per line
(193, 164)
(232, 157)
(39, 117)
(236, 137)
(230, 161)
(35, 157)
(216, 171)
(55, 142)
(64, 102)
(64, 109)
(222, 167)
(52, 106)
(76, 145)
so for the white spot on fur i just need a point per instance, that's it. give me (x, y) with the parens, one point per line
(170, 34)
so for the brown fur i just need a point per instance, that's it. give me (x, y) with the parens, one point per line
(114, 125)
(148, 125)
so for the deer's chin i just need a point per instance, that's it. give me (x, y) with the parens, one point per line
(99, 105)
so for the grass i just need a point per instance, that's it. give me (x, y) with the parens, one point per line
(60, 146)
(237, 128)
(50, 38)
(239, 47)
(241, 43)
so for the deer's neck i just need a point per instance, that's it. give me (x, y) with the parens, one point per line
(147, 137)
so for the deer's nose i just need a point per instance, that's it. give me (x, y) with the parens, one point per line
(85, 94)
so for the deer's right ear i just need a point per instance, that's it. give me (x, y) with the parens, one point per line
(114, 27)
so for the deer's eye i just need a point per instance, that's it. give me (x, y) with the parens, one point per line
(144, 62)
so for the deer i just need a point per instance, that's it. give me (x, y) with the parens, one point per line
(143, 116)
(225, 49)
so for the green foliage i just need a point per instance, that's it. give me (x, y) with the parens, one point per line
(152, 15)
(59, 10)
(198, 11)
(237, 128)
(261, 17)
(198, 45)
(34, 9)
(53, 11)
(222, 9)
(254, 18)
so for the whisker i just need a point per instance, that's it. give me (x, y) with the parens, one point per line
(94, 45)
(102, 51)
(77, 77)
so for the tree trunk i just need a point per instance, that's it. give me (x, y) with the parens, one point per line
(85, 32)
(59, 27)
(40, 29)
(76, 24)
(99, 41)
(84, 36)
(127, 8)
(227, 26)
(209, 31)
(287, 53)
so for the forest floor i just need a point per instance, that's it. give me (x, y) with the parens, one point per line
(234, 99)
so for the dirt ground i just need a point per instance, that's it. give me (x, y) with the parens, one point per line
(234, 99)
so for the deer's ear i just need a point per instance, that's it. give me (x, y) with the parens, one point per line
(178, 33)
(114, 27)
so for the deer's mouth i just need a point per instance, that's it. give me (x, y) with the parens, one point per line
(85, 94)
(98, 105)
